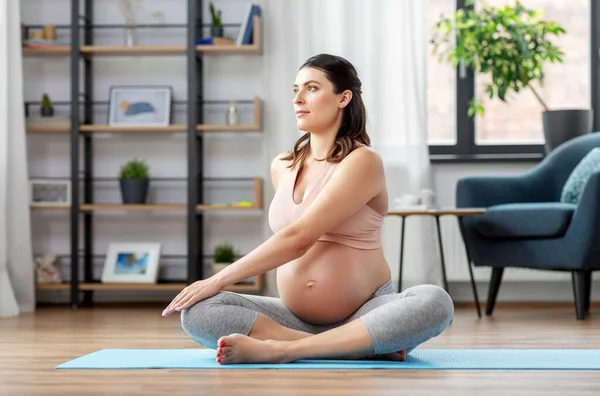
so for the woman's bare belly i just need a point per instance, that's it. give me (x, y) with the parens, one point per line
(331, 281)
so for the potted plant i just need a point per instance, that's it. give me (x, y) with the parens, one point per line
(224, 255)
(47, 109)
(133, 181)
(216, 29)
(511, 45)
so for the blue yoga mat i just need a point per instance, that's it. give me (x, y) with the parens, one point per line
(427, 359)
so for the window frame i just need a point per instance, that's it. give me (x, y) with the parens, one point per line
(466, 150)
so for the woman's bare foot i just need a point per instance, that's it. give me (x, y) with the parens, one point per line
(238, 348)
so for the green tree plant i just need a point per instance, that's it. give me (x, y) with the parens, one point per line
(217, 22)
(135, 169)
(510, 44)
(224, 253)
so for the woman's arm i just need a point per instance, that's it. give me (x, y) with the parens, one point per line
(281, 248)
(357, 180)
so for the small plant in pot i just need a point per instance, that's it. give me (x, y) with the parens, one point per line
(47, 109)
(510, 45)
(224, 255)
(216, 29)
(133, 181)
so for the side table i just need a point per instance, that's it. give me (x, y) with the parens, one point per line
(460, 214)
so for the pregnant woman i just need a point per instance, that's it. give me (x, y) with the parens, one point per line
(337, 299)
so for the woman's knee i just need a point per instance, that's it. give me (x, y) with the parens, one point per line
(197, 321)
(438, 303)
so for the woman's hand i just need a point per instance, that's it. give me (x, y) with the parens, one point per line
(193, 293)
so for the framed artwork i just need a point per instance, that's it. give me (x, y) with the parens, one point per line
(46, 192)
(131, 263)
(139, 106)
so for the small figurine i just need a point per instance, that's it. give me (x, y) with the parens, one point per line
(47, 270)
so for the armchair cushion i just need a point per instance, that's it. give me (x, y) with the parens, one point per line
(575, 184)
(525, 220)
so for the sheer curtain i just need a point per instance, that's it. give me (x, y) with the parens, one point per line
(386, 42)
(17, 292)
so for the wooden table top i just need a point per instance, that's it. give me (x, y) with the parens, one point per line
(460, 212)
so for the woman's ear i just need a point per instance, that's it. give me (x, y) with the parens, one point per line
(345, 98)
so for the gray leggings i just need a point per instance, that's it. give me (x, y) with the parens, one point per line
(394, 321)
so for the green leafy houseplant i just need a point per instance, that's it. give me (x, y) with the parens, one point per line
(510, 44)
(134, 180)
(217, 22)
(135, 169)
(224, 253)
(47, 110)
(216, 16)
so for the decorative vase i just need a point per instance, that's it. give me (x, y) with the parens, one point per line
(134, 191)
(563, 125)
(232, 117)
(47, 111)
(216, 31)
(130, 36)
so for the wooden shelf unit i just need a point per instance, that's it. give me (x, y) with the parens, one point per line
(257, 204)
(50, 207)
(47, 129)
(157, 50)
(97, 286)
(114, 50)
(47, 51)
(123, 129)
(81, 86)
(256, 127)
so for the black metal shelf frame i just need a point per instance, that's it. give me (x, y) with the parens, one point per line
(82, 26)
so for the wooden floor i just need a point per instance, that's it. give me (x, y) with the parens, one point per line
(31, 346)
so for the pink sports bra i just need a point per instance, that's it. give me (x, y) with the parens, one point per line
(362, 230)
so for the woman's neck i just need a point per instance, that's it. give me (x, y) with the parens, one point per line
(320, 145)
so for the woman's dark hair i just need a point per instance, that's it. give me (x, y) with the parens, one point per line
(343, 76)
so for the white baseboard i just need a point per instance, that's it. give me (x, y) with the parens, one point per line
(534, 291)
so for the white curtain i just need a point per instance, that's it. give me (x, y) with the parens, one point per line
(385, 40)
(17, 292)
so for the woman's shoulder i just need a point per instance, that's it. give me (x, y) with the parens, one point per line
(363, 155)
(279, 165)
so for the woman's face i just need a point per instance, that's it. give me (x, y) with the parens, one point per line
(315, 104)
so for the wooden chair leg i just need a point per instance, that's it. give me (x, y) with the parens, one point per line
(493, 291)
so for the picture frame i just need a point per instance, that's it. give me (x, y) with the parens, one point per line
(129, 262)
(139, 105)
(49, 192)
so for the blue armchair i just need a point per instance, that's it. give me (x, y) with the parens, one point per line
(526, 225)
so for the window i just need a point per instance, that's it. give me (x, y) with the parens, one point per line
(514, 127)
(566, 85)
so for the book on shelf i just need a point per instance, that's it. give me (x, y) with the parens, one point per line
(245, 34)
